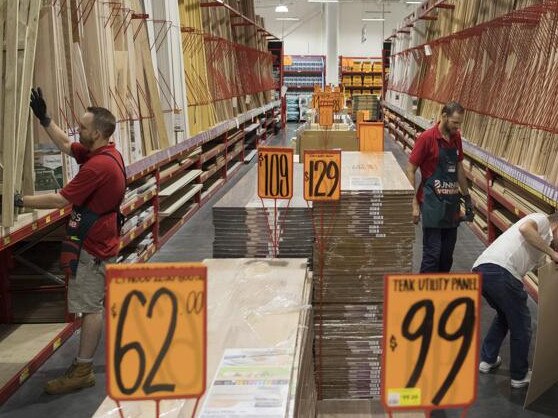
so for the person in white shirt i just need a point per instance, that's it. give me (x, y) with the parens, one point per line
(503, 264)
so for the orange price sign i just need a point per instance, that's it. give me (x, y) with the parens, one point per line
(287, 60)
(322, 175)
(156, 331)
(275, 173)
(430, 340)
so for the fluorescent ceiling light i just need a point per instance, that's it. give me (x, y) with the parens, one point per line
(290, 19)
(282, 9)
(323, 1)
(373, 19)
(413, 2)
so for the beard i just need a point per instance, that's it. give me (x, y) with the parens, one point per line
(87, 142)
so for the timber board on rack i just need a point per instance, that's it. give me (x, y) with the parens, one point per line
(518, 176)
(24, 348)
(29, 224)
(136, 231)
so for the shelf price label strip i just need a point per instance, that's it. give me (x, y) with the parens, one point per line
(156, 344)
(275, 181)
(430, 341)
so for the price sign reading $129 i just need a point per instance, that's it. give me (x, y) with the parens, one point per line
(322, 175)
(275, 173)
(156, 331)
(430, 343)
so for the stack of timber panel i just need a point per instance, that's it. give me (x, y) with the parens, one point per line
(244, 297)
(201, 109)
(368, 234)
(245, 228)
(18, 40)
(220, 60)
(250, 37)
(526, 59)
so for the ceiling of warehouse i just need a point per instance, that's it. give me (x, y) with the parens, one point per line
(306, 10)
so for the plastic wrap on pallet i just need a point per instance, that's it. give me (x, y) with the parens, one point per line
(245, 296)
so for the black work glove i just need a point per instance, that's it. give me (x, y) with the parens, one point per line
(39, 107)
(469, 213)
(18, 200)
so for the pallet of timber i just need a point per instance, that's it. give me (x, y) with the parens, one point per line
(239, 317)
(245, 225)
(367, 233)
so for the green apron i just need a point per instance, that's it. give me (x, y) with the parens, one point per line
(440, 208)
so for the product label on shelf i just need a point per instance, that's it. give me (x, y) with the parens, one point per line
(250, 383)
(322, 175)
(156, 340)
(275, 173)
(430, 340)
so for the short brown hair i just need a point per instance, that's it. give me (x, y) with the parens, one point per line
(553, 218)
(103, 120)
(452, 107)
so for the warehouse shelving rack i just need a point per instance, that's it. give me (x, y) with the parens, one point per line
(296, 67)
(346, 70)
(223, 153)
(485, 173)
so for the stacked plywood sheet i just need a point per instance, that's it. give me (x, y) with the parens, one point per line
(244, 297)
(368, 233)
(18, 40)
(245, 228)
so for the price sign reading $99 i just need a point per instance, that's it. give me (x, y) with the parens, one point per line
(156, 331)
(275, 173)
(322, 175)
(430, 342)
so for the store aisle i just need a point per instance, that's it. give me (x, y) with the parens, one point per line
(194, 243)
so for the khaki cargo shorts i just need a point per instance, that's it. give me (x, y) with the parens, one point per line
(86, 291)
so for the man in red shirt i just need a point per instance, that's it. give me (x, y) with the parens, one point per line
(96, 193)
(438, 152)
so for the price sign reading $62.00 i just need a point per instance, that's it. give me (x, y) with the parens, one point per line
(322, 175)
(430, 343)
(275, 173)
(156, 331)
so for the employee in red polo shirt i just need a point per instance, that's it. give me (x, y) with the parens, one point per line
(92, 240)
(438, 152)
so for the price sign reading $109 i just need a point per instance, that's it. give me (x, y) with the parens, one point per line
(156, 331)
(275, 173)
(430, 343)
(322, 175)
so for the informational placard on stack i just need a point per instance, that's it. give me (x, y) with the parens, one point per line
(268, 370)
(368, 234)
(244, 223)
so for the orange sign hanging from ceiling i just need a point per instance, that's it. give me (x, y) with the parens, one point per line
(156, 325)
(430, 343)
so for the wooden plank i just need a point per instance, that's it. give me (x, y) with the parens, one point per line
(142, 42)
(10, 113)
(2, 20)
(27, 78)
(19, 344)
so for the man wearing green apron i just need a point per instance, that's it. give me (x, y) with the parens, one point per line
(438, 152)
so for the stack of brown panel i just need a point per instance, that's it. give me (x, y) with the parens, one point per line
(244, 228)
(368, 234)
